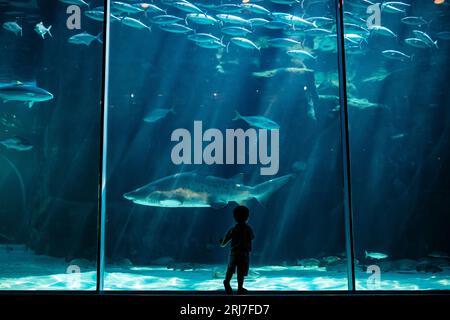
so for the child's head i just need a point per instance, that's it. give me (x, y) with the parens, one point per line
(241, 213)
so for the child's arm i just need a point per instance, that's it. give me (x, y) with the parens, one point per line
(226, 239)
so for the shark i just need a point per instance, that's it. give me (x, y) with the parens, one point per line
(28, 93)
(192, 190)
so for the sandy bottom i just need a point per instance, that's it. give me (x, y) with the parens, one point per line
(22, 270)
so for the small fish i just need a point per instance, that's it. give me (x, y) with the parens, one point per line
(244, 43)
(236, 31)
(316, 32)
(284, 43)
(42, 30)
(258, 121)
(398, 136)
(76, 2)
(382, 31)
(231, 19)
(417, 43)
(158, 114)
(375, 255)
(165, 19)
(175, 28)
(414, 21)
(254, 8)
(287, 2)
(148, 7)
(125, 7)
(203, 38)
(395, 55)
(443, 35)
(85, 39)
(301, 54)
(201, 18)
(134, 23)
(99, 15)
(211, 45)
(16, 143)
(13, 27)
(258, 22)
(228, 8)
(426, 38)
(187, 7)
(390, 8)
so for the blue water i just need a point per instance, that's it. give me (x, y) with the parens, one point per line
(399, 142)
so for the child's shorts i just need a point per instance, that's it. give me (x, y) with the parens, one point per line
(239, 261)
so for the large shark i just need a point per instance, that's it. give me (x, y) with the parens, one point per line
(191, 190)
(28, 93)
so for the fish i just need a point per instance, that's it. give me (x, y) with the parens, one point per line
(203, 37)
(382, 31)
(228, 8)
(254, 8)
(42, 30)
(125, 7)
(99, 15)
(273, 72)
(244, 43)
(426, 38)
(236, 31)
(391, 8)
(231, 19)
(300, 54)
(414, 21)
(85, 38)
(284, 43)
(28, 93)
(258, 121)
(187, 7)
(443, 35)
(201, 18)
(17, 144)
(375, 255)
(134, 23)
(439, 254)
(148, 7)
(287, 2)
(13, 27)
(176, 28)
(211, 45)
(276, 25)
(293, 20)
(191, 190)
(417, 43)
(165, 19)
(395, 55)
(76, 2)
(258, 22)
(315, 32)
(158, 114)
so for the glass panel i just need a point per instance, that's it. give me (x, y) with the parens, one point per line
(49, 146)
(397, 68)
(177, 73)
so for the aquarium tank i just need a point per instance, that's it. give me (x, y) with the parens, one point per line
(130, 131)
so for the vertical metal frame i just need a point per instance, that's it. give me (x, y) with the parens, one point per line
(345, 143)
(103, 151)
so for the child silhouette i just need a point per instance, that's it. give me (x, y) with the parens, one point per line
(241, 236)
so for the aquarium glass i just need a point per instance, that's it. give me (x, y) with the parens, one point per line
(397, 58)
(182, 73)
(49, 146)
